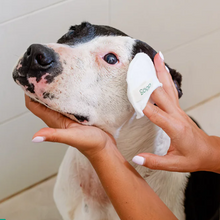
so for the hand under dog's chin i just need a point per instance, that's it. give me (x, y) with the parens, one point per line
(73, 116)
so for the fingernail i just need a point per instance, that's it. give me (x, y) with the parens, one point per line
(167, 69)
(138, 160)
(38, 139)
(161, 55)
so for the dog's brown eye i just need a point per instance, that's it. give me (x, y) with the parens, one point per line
(110, 58)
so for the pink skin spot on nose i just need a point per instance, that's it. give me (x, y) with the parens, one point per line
(39, 87)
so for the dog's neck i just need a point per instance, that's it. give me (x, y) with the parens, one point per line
(141, 135)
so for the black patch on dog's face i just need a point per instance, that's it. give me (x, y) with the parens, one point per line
(28, 68)
(85, 32)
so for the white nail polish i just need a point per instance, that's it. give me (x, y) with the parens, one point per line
(38, 139)
(161, 55)
(138, 160)
(167, 69)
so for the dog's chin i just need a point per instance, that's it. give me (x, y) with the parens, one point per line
(73, 116)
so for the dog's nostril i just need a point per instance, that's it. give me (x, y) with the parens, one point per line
(29, 51)
(39, 57)
(43, 60)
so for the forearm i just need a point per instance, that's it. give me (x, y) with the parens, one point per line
(130, 195)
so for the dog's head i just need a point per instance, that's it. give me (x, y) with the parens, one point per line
(83, 76)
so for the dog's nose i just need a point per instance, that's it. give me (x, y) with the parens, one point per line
(38, 57)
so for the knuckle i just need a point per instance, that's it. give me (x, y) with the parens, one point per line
(154, 163)
(153, 115)
(182, 128)
(54, 137)
(51, 134)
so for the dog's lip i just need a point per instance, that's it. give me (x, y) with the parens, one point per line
(80, 118)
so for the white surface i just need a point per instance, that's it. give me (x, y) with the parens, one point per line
(13, 8)
(208, 116)
(34, 204)
(178, 29)
(23, 162)
(198, 62)
(165, 24)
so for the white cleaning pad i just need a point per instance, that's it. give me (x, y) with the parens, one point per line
(142, 81)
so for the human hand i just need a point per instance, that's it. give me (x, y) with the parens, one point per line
(191, 149)
(89, 140)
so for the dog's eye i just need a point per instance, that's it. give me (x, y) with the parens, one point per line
(110, 58)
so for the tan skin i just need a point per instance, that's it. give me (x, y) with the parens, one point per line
(190, 150)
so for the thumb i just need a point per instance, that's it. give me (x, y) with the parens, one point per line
(155, 162)
(53, 135)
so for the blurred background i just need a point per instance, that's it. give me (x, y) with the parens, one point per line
(187, 32)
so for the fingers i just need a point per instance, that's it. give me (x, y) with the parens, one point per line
(160, 118)
(33, 106)
(165, 78)
(87, 139)
(155, 162)
(163, 101)
(64, 136)
(51, 118)
(75, 136)
(166, 98)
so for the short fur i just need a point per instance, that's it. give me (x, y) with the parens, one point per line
(76, 81)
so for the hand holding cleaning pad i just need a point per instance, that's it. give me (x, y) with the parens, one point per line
(142, 81)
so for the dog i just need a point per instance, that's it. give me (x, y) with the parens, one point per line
(83, 76)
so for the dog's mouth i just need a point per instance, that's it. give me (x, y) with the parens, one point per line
(80, 118)
(76, 117)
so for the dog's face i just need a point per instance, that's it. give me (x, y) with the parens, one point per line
(83, 76)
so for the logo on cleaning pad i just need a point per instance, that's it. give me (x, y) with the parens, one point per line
(145, 89)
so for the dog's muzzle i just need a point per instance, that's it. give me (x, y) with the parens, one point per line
(38, 58)
(37, 61)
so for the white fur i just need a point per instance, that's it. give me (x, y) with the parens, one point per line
(75, 169)
(91, 87)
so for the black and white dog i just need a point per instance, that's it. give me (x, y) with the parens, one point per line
(83, 76)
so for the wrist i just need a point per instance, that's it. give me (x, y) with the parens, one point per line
(210, 154)
(101, 150)
(215, 144)
(100, 156)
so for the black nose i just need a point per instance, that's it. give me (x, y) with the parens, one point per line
(38, 57)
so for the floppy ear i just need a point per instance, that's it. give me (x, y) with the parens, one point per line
(145, 48)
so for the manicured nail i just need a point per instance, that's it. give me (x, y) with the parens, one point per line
(138, 160)
(167, 69)
(38, 139)
(161, 55)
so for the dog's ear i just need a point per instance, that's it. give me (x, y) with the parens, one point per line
(140, 46)
(78, 34)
